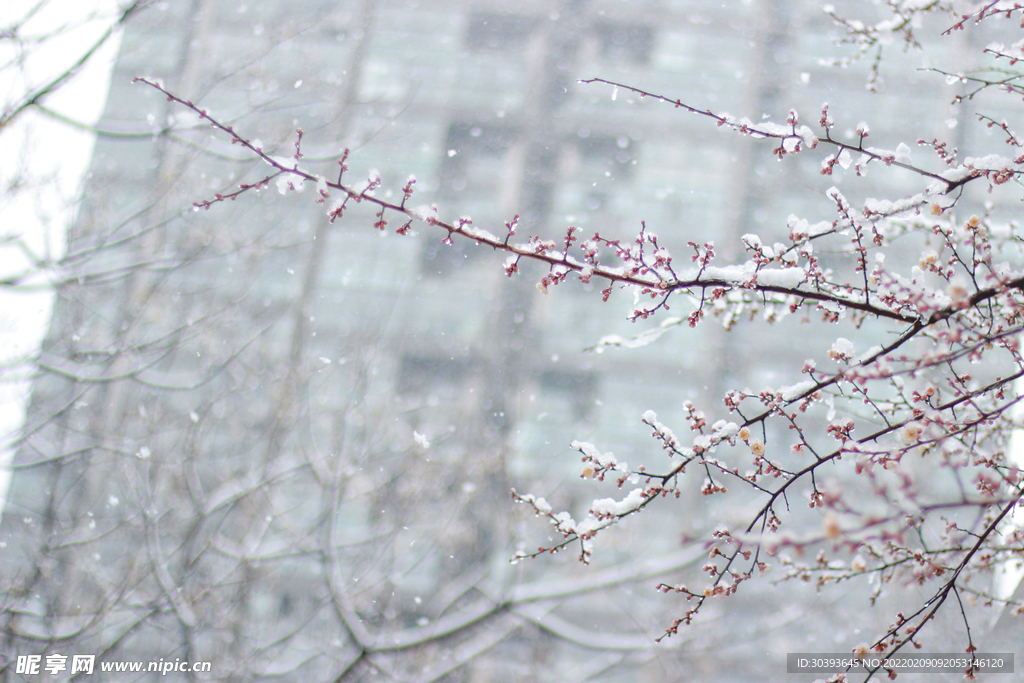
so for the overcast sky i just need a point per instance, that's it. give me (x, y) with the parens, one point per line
(38, 147)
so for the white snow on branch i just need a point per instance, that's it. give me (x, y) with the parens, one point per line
(287, 182)
(540, 504)
(800, 229)
(424, 212)
(793, 392)
(786, 278)
(643, 339)
(992, 162)
(667, 436)
(609, 507)
(605, 460)
(473, 231)
(903, 153)
(283, 162)
(894, 208)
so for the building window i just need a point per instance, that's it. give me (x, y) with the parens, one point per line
(615, 154)
(577, 387)
(438, 376)
(470, 142)
(472, 169)
(628, 43)
(493, 31)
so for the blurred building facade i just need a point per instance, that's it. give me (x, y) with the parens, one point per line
(222, 461)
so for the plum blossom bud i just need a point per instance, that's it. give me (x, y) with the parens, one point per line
(842, 350)
(910, 433)
(928, 258)
(831, 526)
(958, 292)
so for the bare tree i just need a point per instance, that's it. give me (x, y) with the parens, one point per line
(245, 448)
